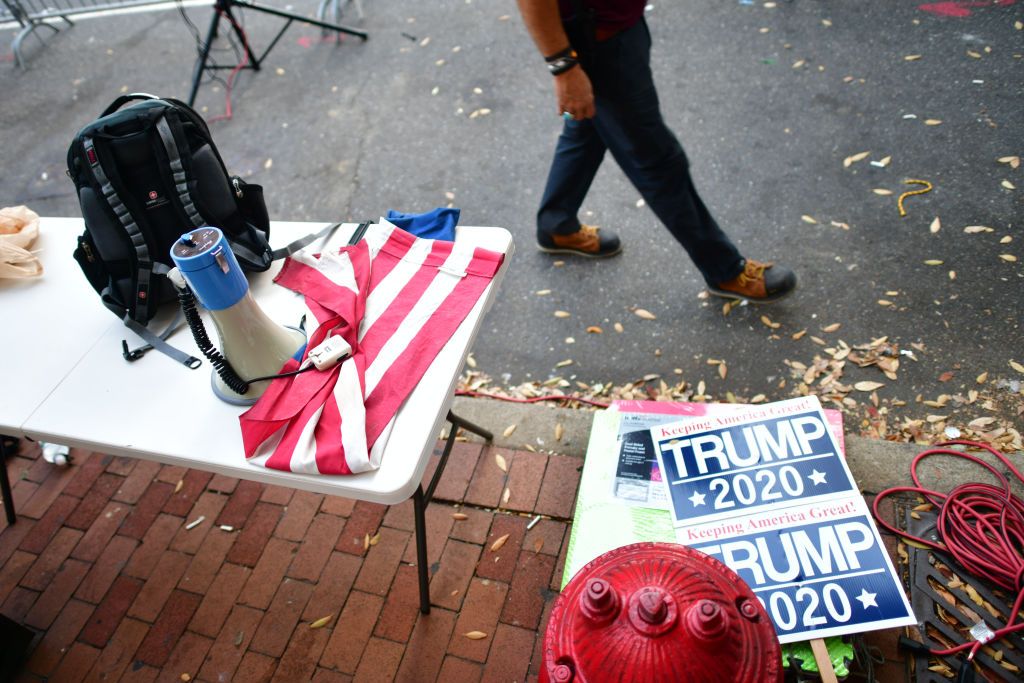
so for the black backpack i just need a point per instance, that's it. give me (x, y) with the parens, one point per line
(145, 175)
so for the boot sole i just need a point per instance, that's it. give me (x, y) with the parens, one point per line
(577, 252)
(726, 294)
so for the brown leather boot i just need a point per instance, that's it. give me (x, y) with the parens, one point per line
(758, 283)
(587, 241)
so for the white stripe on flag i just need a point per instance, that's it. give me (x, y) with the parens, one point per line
(337, 268)
(383, 295)
(303, 458)
(429, 301)
(377, 452)
(349, 395)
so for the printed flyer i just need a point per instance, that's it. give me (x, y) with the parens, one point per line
(769, 494)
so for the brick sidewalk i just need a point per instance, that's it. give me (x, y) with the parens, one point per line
(101, 567)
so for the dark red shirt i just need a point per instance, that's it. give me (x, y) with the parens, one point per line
(610, 15)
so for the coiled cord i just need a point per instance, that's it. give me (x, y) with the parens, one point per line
(227, 373)
(981, 526)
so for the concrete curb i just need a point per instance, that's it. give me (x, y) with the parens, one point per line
(876, 464)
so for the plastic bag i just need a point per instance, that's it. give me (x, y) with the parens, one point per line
(19, 227)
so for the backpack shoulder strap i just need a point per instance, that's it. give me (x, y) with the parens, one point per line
(144, 261)
(290, 249)
(156, 341)
(170, 144)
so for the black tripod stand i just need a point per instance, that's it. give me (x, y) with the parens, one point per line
(223, 9)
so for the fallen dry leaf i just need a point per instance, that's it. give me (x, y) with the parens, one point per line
(506, 494)
(912, 58)
(831, 328)
(559, 431)
(868, 386)
(797, 335)
(542, 292)
(499, 460)
(1008, 185)
(594, 329)
(884, 161)
(322, 621)
(768, 322)
(475, 635)
(932, 122)
(366, 542)
(1013, 161)
(460, 516)
(933, 262)
(375, 539)
(973, 54)
(508, 430)
(853, 158)
(982, 378)
(538, 544)
(618, 327)
(1008, 257)
(981, 422)
(563, 363)
(1017, 366)
(975, 229)
(645, 314)
(177, 487)
(809, 219)
(935, 226)
(562, 314)
(496, 546)
(882, 191)
(946, 376)
(722, 370)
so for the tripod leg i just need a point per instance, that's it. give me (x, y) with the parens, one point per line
(204, 54)
(244, 40)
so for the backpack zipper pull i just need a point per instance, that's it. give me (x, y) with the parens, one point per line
(236, 182)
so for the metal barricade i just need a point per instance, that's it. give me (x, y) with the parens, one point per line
(36, 14)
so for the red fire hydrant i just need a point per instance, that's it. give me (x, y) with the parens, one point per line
(659, 612)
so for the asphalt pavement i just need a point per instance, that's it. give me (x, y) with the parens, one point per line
(802, 121)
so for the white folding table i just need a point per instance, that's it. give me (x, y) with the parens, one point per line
(50, 323)
(95, 402)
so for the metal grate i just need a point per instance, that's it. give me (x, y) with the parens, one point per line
(948, 602)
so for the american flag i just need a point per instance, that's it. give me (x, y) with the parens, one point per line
(396, 299)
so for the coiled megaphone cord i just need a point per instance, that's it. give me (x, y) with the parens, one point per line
(227, 373)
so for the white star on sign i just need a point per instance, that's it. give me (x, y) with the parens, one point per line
(867, 599)
(697, 499)
(817, 477)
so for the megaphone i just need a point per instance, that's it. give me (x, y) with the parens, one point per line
(254, 346)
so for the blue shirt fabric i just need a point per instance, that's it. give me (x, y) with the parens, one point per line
(438, 224)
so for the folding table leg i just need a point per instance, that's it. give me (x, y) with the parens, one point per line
(421, 499)
(469, 426)
(5, 485)
(419, 506)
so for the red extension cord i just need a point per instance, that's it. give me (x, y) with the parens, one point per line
(980, 525)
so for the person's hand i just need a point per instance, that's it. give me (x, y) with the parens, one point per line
(574, 94)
